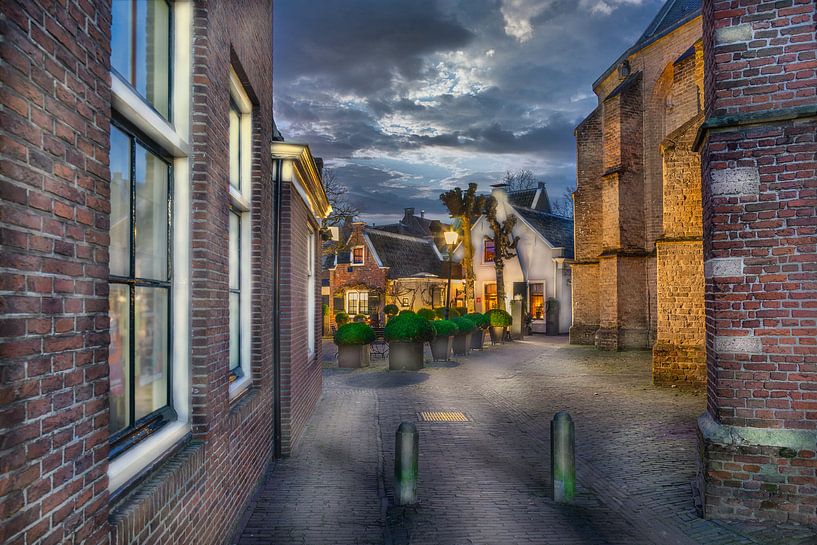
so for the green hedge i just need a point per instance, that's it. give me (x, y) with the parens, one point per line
(354, 334)
(481, 320)
(391, 310)
(499, 318)
(464, 325)
(427, 313)
(444, 328)
(408, 328)
(407, 311)
(341, 318)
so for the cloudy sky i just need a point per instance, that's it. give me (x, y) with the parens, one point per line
(407, 98)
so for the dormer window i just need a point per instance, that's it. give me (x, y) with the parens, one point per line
(358, 255)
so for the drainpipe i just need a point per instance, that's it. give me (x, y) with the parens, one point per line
(276, 333)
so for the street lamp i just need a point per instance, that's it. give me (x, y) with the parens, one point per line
(451, 240)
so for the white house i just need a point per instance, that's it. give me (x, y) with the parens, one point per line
(541, 267)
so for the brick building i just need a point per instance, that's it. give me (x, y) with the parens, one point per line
(757, 439)
(638, 270)
(378, 267)
(159, 257)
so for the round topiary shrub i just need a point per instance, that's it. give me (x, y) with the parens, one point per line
(408, 328)
(479, 319)
(391, 310)
(445, 328)
(499, 318)
(464, 324)
(360, 318)
(341, 318)
(355, 333)
(427, 313)
(407, 311)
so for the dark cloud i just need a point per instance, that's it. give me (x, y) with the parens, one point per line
(409, 97)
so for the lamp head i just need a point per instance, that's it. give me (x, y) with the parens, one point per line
(451, 237)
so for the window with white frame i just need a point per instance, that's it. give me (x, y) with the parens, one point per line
(310, 290)
(240, 189)
(149, 253)
(358, 255)
(357, 302)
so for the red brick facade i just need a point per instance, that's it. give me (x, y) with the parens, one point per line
(54, 229)
(759, 155)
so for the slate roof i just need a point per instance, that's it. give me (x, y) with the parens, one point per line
(525, 197)
(557, 230)
(673, 14)
(405, 256)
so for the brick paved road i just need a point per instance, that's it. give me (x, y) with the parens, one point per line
(486, 481)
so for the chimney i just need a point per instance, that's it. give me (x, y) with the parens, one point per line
(422, 213)
(498, 190)
(408, 213)
(319, 164)
(541, 185)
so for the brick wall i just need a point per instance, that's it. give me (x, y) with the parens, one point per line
(53, 272)
(760, 221)
(54, 178)
(344, 276)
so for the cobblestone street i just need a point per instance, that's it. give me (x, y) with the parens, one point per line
(487, 481)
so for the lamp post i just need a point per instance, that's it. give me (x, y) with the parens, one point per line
(451, 240)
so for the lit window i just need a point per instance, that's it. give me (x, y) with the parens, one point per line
(139, 291)
(357, 255)
(490, 297)
(239, 187)
(488, 251)
(537, 301)
(357, 302)
(140, 48)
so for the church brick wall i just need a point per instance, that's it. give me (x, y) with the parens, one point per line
(760, 227)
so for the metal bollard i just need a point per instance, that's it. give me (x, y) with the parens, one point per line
(563, 457)
(406, 452)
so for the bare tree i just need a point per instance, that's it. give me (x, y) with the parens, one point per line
(564, 206)
(519, 180)
(504, 246)
(337, 193)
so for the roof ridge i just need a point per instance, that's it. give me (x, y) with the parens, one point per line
(397, 235)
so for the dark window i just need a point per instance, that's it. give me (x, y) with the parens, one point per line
(139, 291)
(357, 255)
(140, 48)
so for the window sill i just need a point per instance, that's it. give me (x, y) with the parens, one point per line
(238, 387)
(127, 466)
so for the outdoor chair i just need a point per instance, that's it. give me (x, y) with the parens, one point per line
(379, 347)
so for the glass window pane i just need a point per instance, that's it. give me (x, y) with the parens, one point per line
(235, 330)
(235, 146)
(119, 356)
(121, 24)
(152, 45)
(151, 215)
(151, 349)
(235, 251)
(120, 203)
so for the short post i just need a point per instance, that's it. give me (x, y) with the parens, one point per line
(406, 452)
(563, 457)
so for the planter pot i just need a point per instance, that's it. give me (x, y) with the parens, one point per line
(497, 334)
(441, 348)
(405, 356)
(353, 356)
(462, 343)
(477, 338)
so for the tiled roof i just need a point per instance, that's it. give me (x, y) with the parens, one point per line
(405, 256)
(525, 197)
(557, 230)
(673, 14)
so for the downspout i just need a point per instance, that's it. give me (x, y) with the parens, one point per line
(276, 288)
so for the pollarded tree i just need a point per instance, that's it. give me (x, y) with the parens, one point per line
(504, 246)
(466, 206)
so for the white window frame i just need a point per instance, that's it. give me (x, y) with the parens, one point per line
(310, 291)
(359, 293)
(352, 255)
(240, 201)
(173, 139)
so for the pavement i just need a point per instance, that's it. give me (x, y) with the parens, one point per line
(487, 481)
